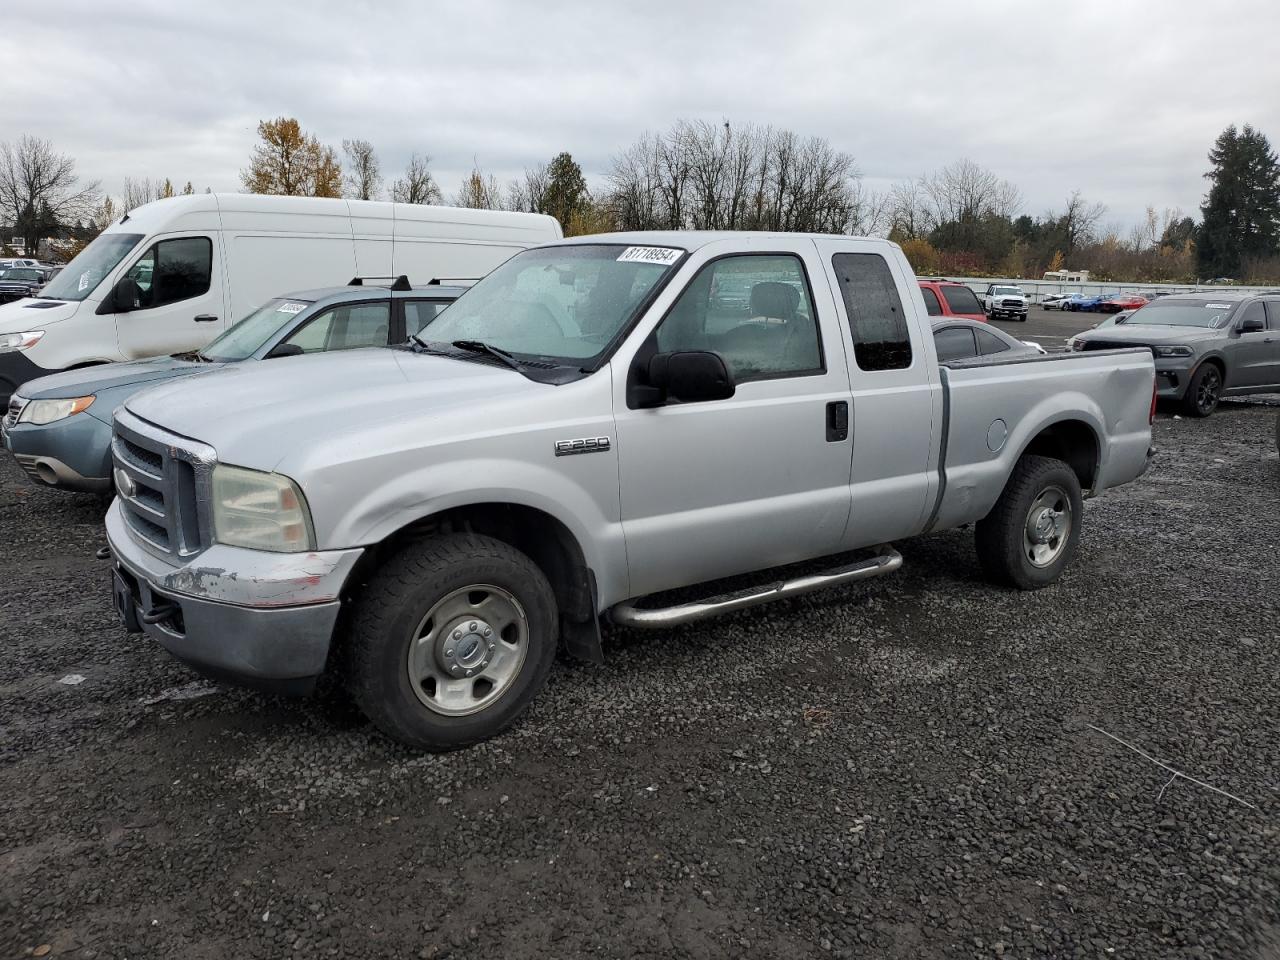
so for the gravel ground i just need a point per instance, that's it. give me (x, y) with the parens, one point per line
(906, 768)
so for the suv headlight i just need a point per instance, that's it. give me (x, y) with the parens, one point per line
(261, 511)
(1177, 350)
(1076, 343)
(50, 411)
(10, 342)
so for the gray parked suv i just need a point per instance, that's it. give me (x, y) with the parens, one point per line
(58, 427)
(1206, 345)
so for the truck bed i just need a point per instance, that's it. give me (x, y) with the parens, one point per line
(993, 410)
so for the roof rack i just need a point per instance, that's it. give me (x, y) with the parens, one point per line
(398, 283)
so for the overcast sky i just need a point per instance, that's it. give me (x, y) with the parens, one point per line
(1120, 98)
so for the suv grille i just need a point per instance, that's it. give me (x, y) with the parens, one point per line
(1116, 345)
(16, 404)
(163, 484)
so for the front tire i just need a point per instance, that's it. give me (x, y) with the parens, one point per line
(1032, 532)
(451, 640)
(1204, 391)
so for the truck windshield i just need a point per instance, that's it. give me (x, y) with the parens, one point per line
(561, 303)
(94, 262)
(248, 336)
(1010, 291)
(1162, 313)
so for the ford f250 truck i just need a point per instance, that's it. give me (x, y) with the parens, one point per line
(588, 429)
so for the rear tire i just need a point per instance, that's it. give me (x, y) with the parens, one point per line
(1204, 391)
(451, 640)
(1032, 532)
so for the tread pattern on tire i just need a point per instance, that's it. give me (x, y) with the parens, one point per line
(379, 605)
(998, 535)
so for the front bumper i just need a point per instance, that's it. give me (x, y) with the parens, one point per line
(251, 617)
(70, 454)
(1173, 377)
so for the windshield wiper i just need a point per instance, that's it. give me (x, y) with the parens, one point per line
(479, 346)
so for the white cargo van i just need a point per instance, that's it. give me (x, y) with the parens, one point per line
(171, 275)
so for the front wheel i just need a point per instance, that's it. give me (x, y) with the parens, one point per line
(1031, 534)
(451, 641)
(1204, 391)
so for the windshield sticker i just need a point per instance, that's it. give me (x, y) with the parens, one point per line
(1217, 306)
(291, 308)
(84, 281)
(1216, 322)
(662, 256)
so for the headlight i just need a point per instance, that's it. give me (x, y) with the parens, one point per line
(1173, 351)
(1077, 344)
(9, 342)
(261, 511)
(50, 411)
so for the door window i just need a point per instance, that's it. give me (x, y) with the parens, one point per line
(1273, 314)
(961, 300)
(418, 313)
(171, 271)
(989, 343)
(931, 303)
(1254, 311)
(876, 319)
(954, 343)
(754, 310)
(346, 327)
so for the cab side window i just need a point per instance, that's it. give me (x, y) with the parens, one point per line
(1273, 314)
(755, 310)
(881, 340)
(346, 327)
(1255, 311)
(172, 270)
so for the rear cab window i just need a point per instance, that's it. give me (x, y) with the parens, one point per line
(931, 303)
(881, 337)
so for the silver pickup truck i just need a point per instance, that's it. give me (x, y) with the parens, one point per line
(596, 424)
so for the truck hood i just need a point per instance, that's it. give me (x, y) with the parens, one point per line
(31, 314)
(1151, 333)
(108, 376)
(256, 414)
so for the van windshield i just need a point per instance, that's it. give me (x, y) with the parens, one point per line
(83, 274)
(248, 336)
(564, 302)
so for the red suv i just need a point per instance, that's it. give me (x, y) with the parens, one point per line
(946, 298)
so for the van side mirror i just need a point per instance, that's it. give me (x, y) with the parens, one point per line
(689, 376)
(124, 295)
(284, 350)
(1252, 325)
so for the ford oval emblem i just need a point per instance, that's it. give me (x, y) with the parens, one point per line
(125, 484)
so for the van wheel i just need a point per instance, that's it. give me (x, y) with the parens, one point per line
(1031, 534)
(451, 641)
(1204, 391)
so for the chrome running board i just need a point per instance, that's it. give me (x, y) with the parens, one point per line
(887, 560)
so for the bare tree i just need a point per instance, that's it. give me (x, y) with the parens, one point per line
(964, 192)
(364, 172)
(39, 189)
(417, 185)
(908, 216)
(479, 191)
(1079, 221)
(135, 193)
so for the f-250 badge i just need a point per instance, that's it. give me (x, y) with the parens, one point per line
(567, 448)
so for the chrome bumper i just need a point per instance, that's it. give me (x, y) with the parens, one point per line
(249, 616)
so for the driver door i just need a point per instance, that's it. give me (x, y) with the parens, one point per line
(176, 289)
(715, 488)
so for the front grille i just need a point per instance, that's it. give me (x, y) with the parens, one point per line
(1116, 345)
(163, 484)
(1011, 303)
(16, 404)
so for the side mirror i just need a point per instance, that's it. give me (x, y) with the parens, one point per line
(1252, 325)
(124, 295)
(690, 376)
(284, 350)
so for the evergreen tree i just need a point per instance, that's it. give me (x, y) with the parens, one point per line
(566, 194)
(1242, 211)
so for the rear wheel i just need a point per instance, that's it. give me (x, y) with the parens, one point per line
(1204, 391)
(1032, 532)
(451, 641)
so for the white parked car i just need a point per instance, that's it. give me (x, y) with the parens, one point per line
(171, 275)
(1054, 301)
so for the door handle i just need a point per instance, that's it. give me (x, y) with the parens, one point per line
(837, 421)
(205, 318)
